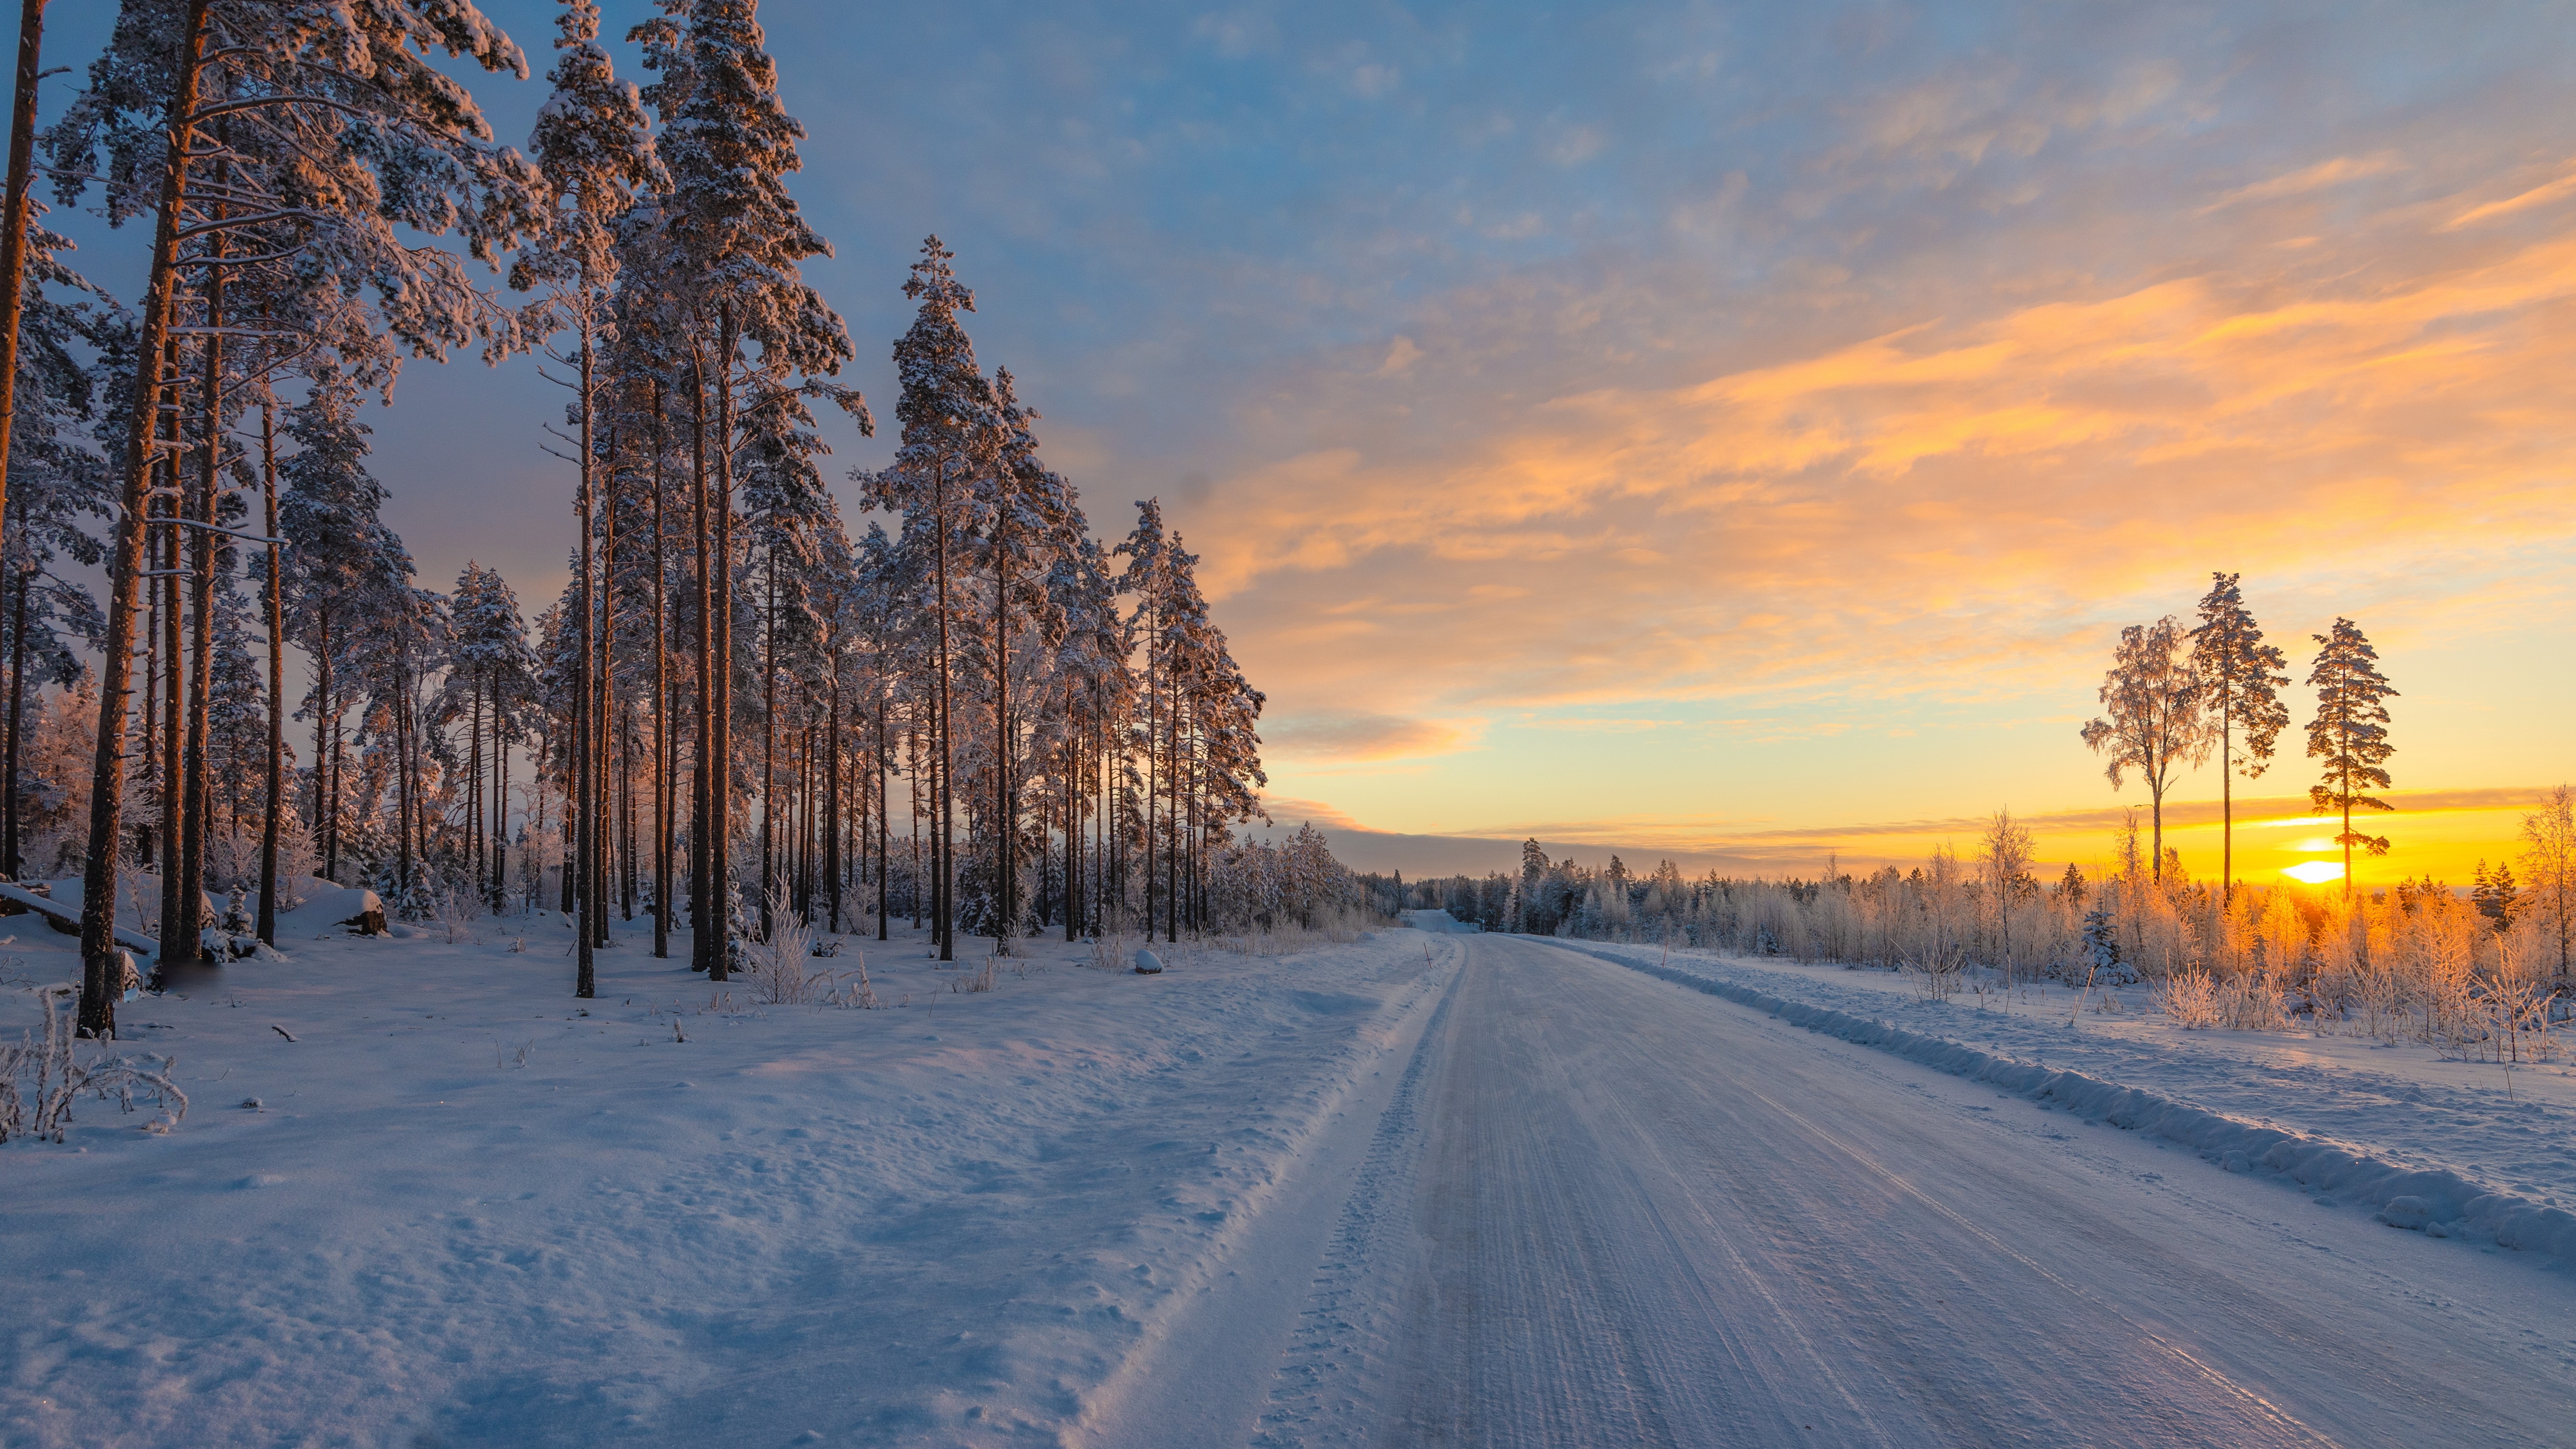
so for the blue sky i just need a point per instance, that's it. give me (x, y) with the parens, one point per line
(1691, 424)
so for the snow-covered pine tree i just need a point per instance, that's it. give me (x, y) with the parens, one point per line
(491, 684)
(1094, 684)
(57, 476)
(2241, 674)
(596, 155)
(1023, 520)
(876, 571)
(237, 718)
(2350, 734)
(2495, 894)
(343, 567)
(382, 144)
(1148, 576)
(16, 204)
(730, 146)
(1216, 773)
(950, 431)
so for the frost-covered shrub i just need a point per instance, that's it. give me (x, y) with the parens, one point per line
(2190, 999)
(775, 968)
(41, 1079)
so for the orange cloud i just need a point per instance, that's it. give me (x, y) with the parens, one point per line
(2332, 172)
(1347, 737)
(1948, 505)
(2537, 196)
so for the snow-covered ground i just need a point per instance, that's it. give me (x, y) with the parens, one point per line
(468, 1209)
(1431, 1187)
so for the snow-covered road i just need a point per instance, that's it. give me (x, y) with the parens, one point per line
(1600, 1209)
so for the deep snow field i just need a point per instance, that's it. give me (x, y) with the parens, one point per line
(468, 1209)
(460, 1207)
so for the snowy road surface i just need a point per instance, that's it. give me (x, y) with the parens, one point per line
(1600, 1209)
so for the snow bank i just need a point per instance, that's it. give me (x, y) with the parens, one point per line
(442, 1201)
(2437, 1200)
(328, 908)
(66, 919)
(67, 894)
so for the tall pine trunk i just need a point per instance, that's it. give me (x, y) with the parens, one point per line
(701, 862)
(173, 661)
(201, 640)
(13, 252)
(577, 864)
(720, 798)
(10, 864)
(885, 824)
(325, 758)
(663, 756)
(832, 800)
(101, 971)
(768, 738)
(603, 830)
(1005, 800)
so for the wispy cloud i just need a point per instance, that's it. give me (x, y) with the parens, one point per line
(1341, 737)
(2327, 173)
(2541, 195)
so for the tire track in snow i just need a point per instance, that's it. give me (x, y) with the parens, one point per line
(1327, 1379)
(2253, 1404)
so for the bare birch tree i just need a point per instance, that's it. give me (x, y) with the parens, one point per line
(2158, 719)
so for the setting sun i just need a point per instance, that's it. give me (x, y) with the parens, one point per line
(2315, 872)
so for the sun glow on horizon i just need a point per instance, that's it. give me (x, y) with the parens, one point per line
(2315, 872)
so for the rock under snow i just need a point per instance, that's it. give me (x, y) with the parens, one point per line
(328, 909)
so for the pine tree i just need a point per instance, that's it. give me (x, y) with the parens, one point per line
(15, 222)
(345, 574)
(950, 422)
(1148, 576)
(2241, 673)
(2156, 722)
(2495, 894)
(163, 109)
(56, 485)
(491, 684)
(2350, 734)
(730, 146)
(595, 154)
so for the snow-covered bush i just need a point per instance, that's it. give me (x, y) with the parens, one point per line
(2190, 1000)
(1113, 947)
(456, 910)
(40, 1079)
(775, 969)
